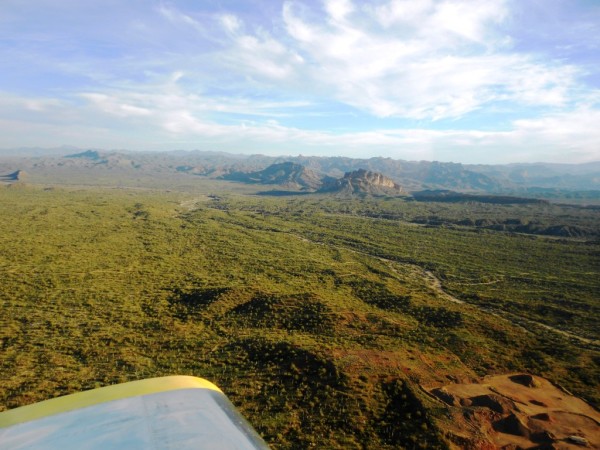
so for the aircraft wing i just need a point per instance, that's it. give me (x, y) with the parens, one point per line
(176, 412)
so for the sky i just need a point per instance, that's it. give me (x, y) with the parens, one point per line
(492, 81)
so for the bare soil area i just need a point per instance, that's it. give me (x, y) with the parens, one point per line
(518, 411)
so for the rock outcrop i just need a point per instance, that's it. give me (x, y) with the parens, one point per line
(364, 182)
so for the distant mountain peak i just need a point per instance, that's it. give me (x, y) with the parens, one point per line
(88, 154)
(17, 175)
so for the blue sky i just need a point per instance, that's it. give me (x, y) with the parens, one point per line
(492, 81)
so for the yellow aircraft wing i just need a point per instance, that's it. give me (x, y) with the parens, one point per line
(177, 412)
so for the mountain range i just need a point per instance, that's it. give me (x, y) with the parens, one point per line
(287, 174)
(311, 173)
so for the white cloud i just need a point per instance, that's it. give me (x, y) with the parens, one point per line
(193, 72)
(431, 61)
(467, 19)
(34, 109)
(571, 132)
(185, 116)
(158, 121)
(114, 106)
(402, 12)
(178, 18)
(297, 28)
(261, 56)
(231, 23)
(338, 10)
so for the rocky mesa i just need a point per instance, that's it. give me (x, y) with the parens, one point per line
(362, 181)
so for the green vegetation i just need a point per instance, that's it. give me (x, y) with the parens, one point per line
(319, 317)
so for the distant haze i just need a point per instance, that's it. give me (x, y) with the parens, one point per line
(491, 82)
(308, 173)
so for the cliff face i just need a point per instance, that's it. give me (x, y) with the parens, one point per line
(364, 182)
(366, 177)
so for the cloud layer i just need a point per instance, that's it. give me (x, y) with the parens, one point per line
(448, 79)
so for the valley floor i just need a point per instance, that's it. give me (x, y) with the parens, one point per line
(329, 322)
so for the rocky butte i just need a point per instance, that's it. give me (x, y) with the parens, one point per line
(362, 181)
